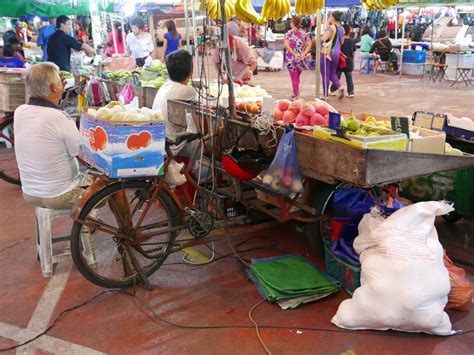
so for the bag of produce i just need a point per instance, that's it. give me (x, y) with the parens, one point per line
(460, 296)
(283, 176)
(125, 96)
(404, 283)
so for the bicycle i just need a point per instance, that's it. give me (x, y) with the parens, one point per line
(8, 166)
(124, 230)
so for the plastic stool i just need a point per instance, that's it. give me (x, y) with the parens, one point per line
(45, 240)
(367, 65)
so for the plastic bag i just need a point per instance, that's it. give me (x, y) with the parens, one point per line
(350, 205)
(125, 96)
(96, 93)
(460, 296)
(404, 283)
(283, 176)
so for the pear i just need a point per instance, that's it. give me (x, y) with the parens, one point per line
(353, 124)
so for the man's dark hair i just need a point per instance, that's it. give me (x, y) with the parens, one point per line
(8, 51)
(382, 34)
(180, 65)
(366, 31)
(13, 41)
(347, 30)
(138, 22)
(337, 15)
(63, 19)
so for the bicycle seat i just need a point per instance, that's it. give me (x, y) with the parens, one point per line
(178, 138)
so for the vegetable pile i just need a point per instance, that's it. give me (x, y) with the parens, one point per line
(116, 111)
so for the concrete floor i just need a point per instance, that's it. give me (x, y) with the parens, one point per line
(217, 294)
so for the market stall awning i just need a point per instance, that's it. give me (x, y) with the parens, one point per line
(50, 8)
(433, 2)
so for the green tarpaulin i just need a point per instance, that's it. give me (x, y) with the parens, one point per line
(50, 8)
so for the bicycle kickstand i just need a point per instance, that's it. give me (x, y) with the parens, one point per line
(146, 283)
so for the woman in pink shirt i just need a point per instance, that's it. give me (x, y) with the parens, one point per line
(119, 40)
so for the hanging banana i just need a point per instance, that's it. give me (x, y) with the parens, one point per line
(308, 7)
(245, 11)
(275, 9)
(213, 8)
(378, 4)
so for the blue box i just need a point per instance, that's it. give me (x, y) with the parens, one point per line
(123, 149)
(416, 57)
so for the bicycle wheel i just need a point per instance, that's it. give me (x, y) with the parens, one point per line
(8, 166)
(107, 253)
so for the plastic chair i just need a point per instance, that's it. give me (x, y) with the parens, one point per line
(45, 239)
(366, 66)
(384, 65)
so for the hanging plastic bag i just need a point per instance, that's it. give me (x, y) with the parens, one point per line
(125, 96)
(283, 176)
(460, 296)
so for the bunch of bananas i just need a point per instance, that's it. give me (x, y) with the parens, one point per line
(245, 11)
(213, 8)
(308, 7)
(275, 9)
(378, 4)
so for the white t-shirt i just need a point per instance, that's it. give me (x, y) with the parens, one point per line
(171, 90)
(46, 144)
(140, 47)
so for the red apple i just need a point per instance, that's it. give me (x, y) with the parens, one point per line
(302, 120)
(282, 105)
(322, 110)
(277, 115)
(289, 116)
(317, 120)
(308, 110)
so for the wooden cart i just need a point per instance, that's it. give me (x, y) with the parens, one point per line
(325, 165)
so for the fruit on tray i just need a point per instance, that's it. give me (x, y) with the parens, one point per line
(249, 107)
(116, 111)
(308, 7)
(275, 9)
(301, 113)
(154, 83)
(117, 75)
(353, 124)
(245, 11)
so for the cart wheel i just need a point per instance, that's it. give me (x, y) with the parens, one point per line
(452, 217)
(322, 202)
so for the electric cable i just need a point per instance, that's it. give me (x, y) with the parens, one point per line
(256, 326)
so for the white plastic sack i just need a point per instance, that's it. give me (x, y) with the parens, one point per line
(404, 283)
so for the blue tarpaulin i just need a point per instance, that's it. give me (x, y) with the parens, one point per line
(258, 4)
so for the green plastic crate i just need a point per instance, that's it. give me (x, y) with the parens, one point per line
(454, 186)
(343, 270)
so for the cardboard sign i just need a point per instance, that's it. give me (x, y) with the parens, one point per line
(400, 124)
(423, 119)
(334, 120)
(439, 120)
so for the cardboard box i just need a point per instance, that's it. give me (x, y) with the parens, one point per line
(430, 141)
(123, 149)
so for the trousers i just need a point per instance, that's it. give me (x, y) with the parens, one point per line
(349, 81)
(328, 72)
(295, 80)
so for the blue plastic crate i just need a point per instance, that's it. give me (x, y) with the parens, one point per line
(416, 57)
(343, 270)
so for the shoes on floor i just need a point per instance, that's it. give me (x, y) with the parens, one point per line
(332, 93)
(350, 96)
(341, 93)
(293, 97)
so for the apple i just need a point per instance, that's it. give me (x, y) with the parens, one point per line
(322, 110)
(317, 120)
(289, 116)
(296, 107)
(277, 115)
(286, 181)
(282, 105)
(308, 110)
(302, 120)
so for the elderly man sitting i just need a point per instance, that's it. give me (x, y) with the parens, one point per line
(47, 143)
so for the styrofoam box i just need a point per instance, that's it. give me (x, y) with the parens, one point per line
(430, 141)
(123, 149)
(412, 69)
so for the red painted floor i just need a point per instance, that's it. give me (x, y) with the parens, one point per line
(217, 294)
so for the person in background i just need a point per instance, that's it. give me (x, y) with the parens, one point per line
(384, 50)
(171, 39)
(234, 26)
(348, 48)
(180, 70)
(243, 62)
(17, 47)
(120, 38)
(9, 59)
(298, 45)
(140, 44)
(366, 41)
(332, 40)
(46, 32)
(47, 143)
(61, 43)
(80, 32)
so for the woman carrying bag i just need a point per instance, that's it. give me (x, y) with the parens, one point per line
(346, 62)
